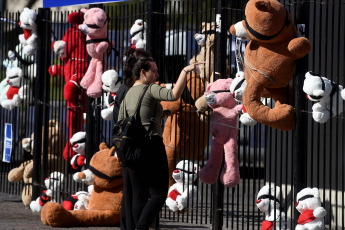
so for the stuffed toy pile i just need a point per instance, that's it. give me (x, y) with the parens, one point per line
(224, 135)
(268, 201)
(138, 34)
(72, 51)
(78, 201)
(53, 186)
(78, 145)
(312, 213)
(184, 131)
(328, 96)
(24, 171)
(184, 192)
(105, 200)
(269, 59)
(29, 38)
(97, 45)
(111, 84)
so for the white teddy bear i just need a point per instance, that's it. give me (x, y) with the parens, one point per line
(15, 94)
(29, 38)
(138, 34)
(79, 200)
(111, 84)
(326, 94)
(312, 213)
(78, 145)
(85, 176)
(54, 184)
(268, 202)
(183, 193)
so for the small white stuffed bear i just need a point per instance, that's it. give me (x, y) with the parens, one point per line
(111, 84)
(183, 191)
(29, 38)
(268, 202)
(138, 34)
(15, 93)
(312, 213)
(85, 176)
(54, 184)
(79, 200)
(322, 91)
(78, 145)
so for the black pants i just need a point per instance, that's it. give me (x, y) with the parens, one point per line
(150, 178)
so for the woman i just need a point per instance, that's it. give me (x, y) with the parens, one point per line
(150, 178)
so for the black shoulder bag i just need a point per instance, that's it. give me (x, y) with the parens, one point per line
(130, 136)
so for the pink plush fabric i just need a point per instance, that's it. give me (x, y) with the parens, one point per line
(224, 133)
(97, 45)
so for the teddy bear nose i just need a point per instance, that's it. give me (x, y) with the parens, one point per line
(176, 171)
(296, 203)
(258, 201)
(75, 146)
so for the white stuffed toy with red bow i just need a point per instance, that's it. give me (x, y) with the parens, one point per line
(111, 85)
(78, 145)
(53, 184)
(79, 200)
(138, 34)
(97, 44)
(184, 192)
(29, 38)
(268, 201)
(312, 213)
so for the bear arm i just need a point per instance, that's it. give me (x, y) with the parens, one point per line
(201, 104)
(174, 106)
(238, 109)
(319, 212)
(299, 46)
(102, 47)
(187, 192)
(29, 168)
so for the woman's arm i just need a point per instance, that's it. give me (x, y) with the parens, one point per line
(181, 81)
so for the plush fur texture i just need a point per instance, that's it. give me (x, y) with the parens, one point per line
(111, 85)
(53, 186)
(72, 51)
(14, 79)
(224, 135)
(24, 171)
(29, 38)
(312, 213)
(270, 64)
(92, 81)
(328, 101)
(78, 201)
(184, 131)
(183, 193)
(271, 207)
(138, 34)
(105, 200)
(78, 145)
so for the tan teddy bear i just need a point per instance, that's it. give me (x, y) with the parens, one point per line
(24, 172)
(269, 60)
(105, 201)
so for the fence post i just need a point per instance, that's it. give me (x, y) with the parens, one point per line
(300, 133)
(41, 93)
(220, 67)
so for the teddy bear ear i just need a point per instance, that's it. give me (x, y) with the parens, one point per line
(83, 10)
(263, 5)
(208, 87)
(103, 146)
(316, 192)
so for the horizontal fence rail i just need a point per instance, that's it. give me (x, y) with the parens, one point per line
(43, 124)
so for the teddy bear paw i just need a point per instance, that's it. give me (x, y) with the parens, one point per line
(319, 212)
(29, 50)
(107, 114)
(321, 117)
(246, 119)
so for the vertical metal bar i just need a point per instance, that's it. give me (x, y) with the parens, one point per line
(300, 133)
(220, 42)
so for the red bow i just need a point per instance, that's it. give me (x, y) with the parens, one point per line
(306, 217)
(266, 225)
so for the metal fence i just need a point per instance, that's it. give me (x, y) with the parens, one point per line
(309, 156)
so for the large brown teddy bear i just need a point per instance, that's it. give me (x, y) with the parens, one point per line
(105, 200)
(185, 134)
(24, 172)
(270, 61)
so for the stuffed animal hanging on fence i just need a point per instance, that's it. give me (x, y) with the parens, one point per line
(312, 213)
(270, 61)
(138, 34)
(29, 38)
(224, 135)
(97, 44)
(78, 145)
(111, 84)
(268, 201)
(328, 96)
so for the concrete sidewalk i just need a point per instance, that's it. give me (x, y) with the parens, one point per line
(13, 215)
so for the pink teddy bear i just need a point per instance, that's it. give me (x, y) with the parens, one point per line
(224, 134)
(96, 27)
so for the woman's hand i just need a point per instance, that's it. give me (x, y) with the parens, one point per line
(190, 68)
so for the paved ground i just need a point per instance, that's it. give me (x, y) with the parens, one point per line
(14, 216)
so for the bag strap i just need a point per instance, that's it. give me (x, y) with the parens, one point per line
(138, 103)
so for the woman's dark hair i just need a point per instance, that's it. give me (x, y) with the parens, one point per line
(137, 59)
